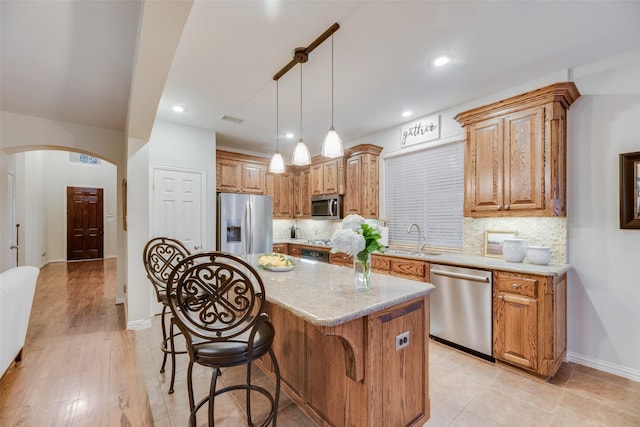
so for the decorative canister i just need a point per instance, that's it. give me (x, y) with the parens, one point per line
(514, 250)
(539, 255)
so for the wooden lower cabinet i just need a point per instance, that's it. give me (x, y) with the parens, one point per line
(351, 374)
(281, 248)
(529, 321)
(294, 250)
(408, 268)
(341, 259)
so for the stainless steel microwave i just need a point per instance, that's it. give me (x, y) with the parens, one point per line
(326, 207)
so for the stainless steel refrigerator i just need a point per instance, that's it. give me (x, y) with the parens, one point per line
(245, 224)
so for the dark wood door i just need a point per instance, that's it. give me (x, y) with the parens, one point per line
(85, 229)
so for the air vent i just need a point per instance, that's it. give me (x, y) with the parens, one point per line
(232, 119)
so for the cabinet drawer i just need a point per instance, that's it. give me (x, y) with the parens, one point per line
(294, 250)
(280, 248)
(410, 269)
(380, 263)
(340, 259)
(527, 286)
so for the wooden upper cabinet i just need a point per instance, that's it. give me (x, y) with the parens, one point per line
(238, 173)
(362, 185)
(301, 197)
(280, 187)
(326, 177)
(515, 156)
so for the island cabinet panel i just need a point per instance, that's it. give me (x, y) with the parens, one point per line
(515, 155)
(289, 346)
(352, 374)
(529, 321)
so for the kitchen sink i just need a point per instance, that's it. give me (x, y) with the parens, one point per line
(409, 253)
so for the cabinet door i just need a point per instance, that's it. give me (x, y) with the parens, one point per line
(228, 175)
(294, 250)
(280, 248)
(316, 180)
(253, 178)
(524, 160)
(515, 330)
(353, 193)
(380, 264)
(341, 259)
(285, 193)
(484, 167)
(330, 176)
(270, 190)
(370, 186)
(301, 198)
(409, 268)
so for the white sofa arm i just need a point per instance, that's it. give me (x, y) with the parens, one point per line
(17, 288)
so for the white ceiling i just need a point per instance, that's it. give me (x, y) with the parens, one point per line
(73, 60)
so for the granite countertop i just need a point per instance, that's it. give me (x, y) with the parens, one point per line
(325, 295)
(472, 261)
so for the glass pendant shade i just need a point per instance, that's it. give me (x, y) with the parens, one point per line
(332, 144)
(276, 165)
(301, 155)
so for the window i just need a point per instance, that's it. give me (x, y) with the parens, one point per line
(427, 188)
(84, 159)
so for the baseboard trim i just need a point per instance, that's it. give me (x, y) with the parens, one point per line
(137, 325)
(601, 365)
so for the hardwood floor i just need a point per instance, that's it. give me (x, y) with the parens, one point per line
(79, 363)
(81, 367)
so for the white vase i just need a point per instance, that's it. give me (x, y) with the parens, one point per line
(514, 250)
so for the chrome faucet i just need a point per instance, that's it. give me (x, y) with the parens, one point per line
(421, 242)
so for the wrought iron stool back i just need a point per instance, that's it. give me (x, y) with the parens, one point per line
(218, 302)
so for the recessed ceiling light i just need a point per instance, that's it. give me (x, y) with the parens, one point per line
(406, 113)
(178, 108)
(441, 60)
(289, 135)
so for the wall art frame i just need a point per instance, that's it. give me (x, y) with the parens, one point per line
(494, 241)
(630, 190)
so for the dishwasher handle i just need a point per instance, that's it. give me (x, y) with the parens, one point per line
(461, 276)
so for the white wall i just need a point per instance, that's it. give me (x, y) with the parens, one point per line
(34, 207)
(173, 146)
(55, 173)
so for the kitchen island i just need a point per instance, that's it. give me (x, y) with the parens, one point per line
(336, 347)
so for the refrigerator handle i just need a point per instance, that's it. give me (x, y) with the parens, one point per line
(248, 220)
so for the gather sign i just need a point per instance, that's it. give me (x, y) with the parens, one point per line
(425, 129)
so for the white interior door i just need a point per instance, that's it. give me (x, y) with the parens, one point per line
(178, 208)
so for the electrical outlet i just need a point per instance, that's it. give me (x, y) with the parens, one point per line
(402, 340)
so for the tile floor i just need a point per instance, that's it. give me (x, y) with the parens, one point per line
(464, 390)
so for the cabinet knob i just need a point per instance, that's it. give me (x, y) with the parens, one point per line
(506, 207)
(499, 207)
(514, 286)
(500, 297)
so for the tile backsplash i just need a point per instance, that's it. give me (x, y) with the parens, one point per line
(310, 229)
(537, 231)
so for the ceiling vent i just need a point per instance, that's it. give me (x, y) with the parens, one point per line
(232, 119)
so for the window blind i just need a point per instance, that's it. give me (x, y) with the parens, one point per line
(427, 188)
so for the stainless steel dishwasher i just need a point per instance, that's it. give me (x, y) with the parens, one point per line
(461, 314)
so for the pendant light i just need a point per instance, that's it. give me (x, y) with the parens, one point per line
(276, 165)
(301, 156)
(332, 144)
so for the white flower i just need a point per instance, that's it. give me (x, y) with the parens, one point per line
(348, 241)
(352, 222)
